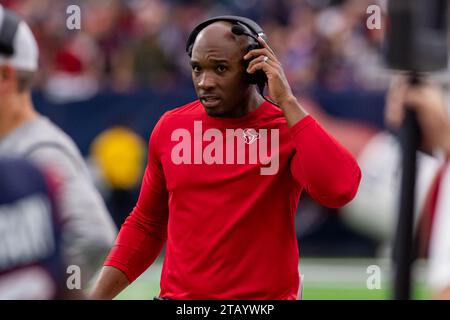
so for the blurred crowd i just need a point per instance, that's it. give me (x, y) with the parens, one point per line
(124, 45)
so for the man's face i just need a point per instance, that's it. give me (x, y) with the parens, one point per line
(217, 70)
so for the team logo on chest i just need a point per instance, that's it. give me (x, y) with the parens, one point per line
(250, 136)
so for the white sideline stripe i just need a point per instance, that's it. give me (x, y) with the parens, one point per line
(326, 271)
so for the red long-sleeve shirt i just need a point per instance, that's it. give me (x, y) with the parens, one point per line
(230, 229)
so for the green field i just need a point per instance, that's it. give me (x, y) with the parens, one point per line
(325, 279)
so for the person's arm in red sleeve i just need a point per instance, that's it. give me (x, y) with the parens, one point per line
(321, 165)
(326, 170)
(143, 233)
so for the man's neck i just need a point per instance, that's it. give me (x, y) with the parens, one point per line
(255, 102)
(252, 103)
(14, 112)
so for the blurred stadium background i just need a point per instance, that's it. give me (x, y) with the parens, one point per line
(107, 84)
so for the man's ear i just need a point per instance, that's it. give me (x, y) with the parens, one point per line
(6, 72)
(7, 75)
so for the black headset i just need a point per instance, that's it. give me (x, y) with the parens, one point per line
(241, 26)
(8, 30)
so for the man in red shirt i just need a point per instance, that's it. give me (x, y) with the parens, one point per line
(224, 177)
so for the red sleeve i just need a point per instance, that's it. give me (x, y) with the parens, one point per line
(144, 232)
(324, 168)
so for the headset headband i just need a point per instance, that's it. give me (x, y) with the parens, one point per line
(250, 24)
(8, 30)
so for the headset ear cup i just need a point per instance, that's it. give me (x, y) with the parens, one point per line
(259, 77)
(250, 77)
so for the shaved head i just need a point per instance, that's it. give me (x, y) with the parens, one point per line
(221, 31)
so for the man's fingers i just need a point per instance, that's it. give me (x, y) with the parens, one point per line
(262, 62)
(265, 45)
(258, 66)
(259, 59)
(260, 52)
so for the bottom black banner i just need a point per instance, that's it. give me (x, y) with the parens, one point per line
(169, 309)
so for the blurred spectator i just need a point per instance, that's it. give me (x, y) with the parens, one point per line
(432, 113)
(75, 71)
(88, 230)
(31, 263)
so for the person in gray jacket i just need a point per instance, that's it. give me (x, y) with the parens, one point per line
(88, 230)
